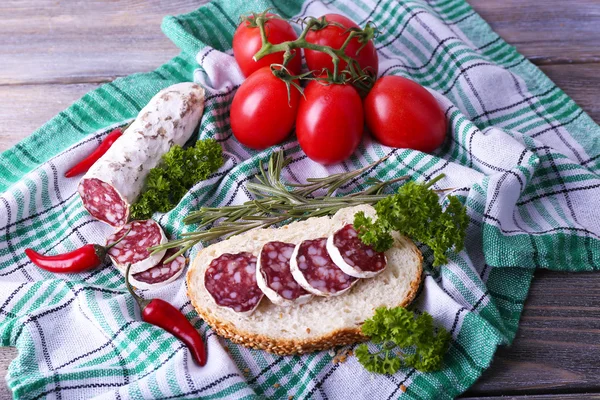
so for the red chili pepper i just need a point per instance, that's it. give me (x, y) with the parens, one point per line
(162, 314)
(87, 162)
(79, 260)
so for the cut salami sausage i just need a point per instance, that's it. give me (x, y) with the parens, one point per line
(161, 274)
(316, 272)
(230, 279)
(352, 256)
(134, 247)
(274, 277)
(103, 202)
(115, 181)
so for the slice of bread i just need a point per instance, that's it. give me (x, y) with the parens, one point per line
(323, 322)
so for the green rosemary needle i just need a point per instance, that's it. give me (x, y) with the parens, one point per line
(277, 203)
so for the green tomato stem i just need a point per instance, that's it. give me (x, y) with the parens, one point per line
(336, 54)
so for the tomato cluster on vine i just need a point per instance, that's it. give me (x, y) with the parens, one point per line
(342, 94)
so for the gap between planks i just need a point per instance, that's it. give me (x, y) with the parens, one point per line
(72, 80)
(64, 81)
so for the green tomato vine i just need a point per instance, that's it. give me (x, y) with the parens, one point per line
(353, 73)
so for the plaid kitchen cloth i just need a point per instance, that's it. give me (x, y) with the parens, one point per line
(520, 154)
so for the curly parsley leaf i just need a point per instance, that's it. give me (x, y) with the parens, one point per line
(386, 363)
(415, 211)
(404, 341)
(373, 233)
(178, 171)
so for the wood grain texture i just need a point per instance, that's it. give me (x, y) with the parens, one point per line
(24, 108)
(44, 41)
(557, 348)
(547, 32)
(6, 356)
(92, 41)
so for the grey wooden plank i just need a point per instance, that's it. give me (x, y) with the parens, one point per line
(91, 41)
(84, 41)
(550, 31)
(7, 354)
(25, 108)
(557, 348)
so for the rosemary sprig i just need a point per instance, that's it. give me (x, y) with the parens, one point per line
(277, 203)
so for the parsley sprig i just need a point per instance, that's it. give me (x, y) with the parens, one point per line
(178, 171)
(415, 211)
(405, 341)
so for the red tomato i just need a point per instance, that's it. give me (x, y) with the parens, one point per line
(260, 113)
(334, 36)
(247, 41)
(330, 122)
(402, 113)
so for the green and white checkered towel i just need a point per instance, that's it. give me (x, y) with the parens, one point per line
(522, 156)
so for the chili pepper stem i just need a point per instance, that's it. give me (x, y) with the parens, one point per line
(141, 302)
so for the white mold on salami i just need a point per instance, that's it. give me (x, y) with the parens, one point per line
(316, 272)
(115, 181)
(274, 277)
(134, 247)
(161, 274)
(230, 279)
(352, 256)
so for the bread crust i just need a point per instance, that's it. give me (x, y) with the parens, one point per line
(280, 346)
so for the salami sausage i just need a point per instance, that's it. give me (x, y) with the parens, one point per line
(230, 279)
(274, 277)
(352, 256)
(316, 272)
(134, 247)
(161, 274)
(103, 202)
(115, 181)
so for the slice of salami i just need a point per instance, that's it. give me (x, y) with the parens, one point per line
(230, 279)
(353, 256)
(134, 247)
(316, 272)
(274, 277)
(161, 274)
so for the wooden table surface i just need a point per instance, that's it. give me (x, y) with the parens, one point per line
(52, 52)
